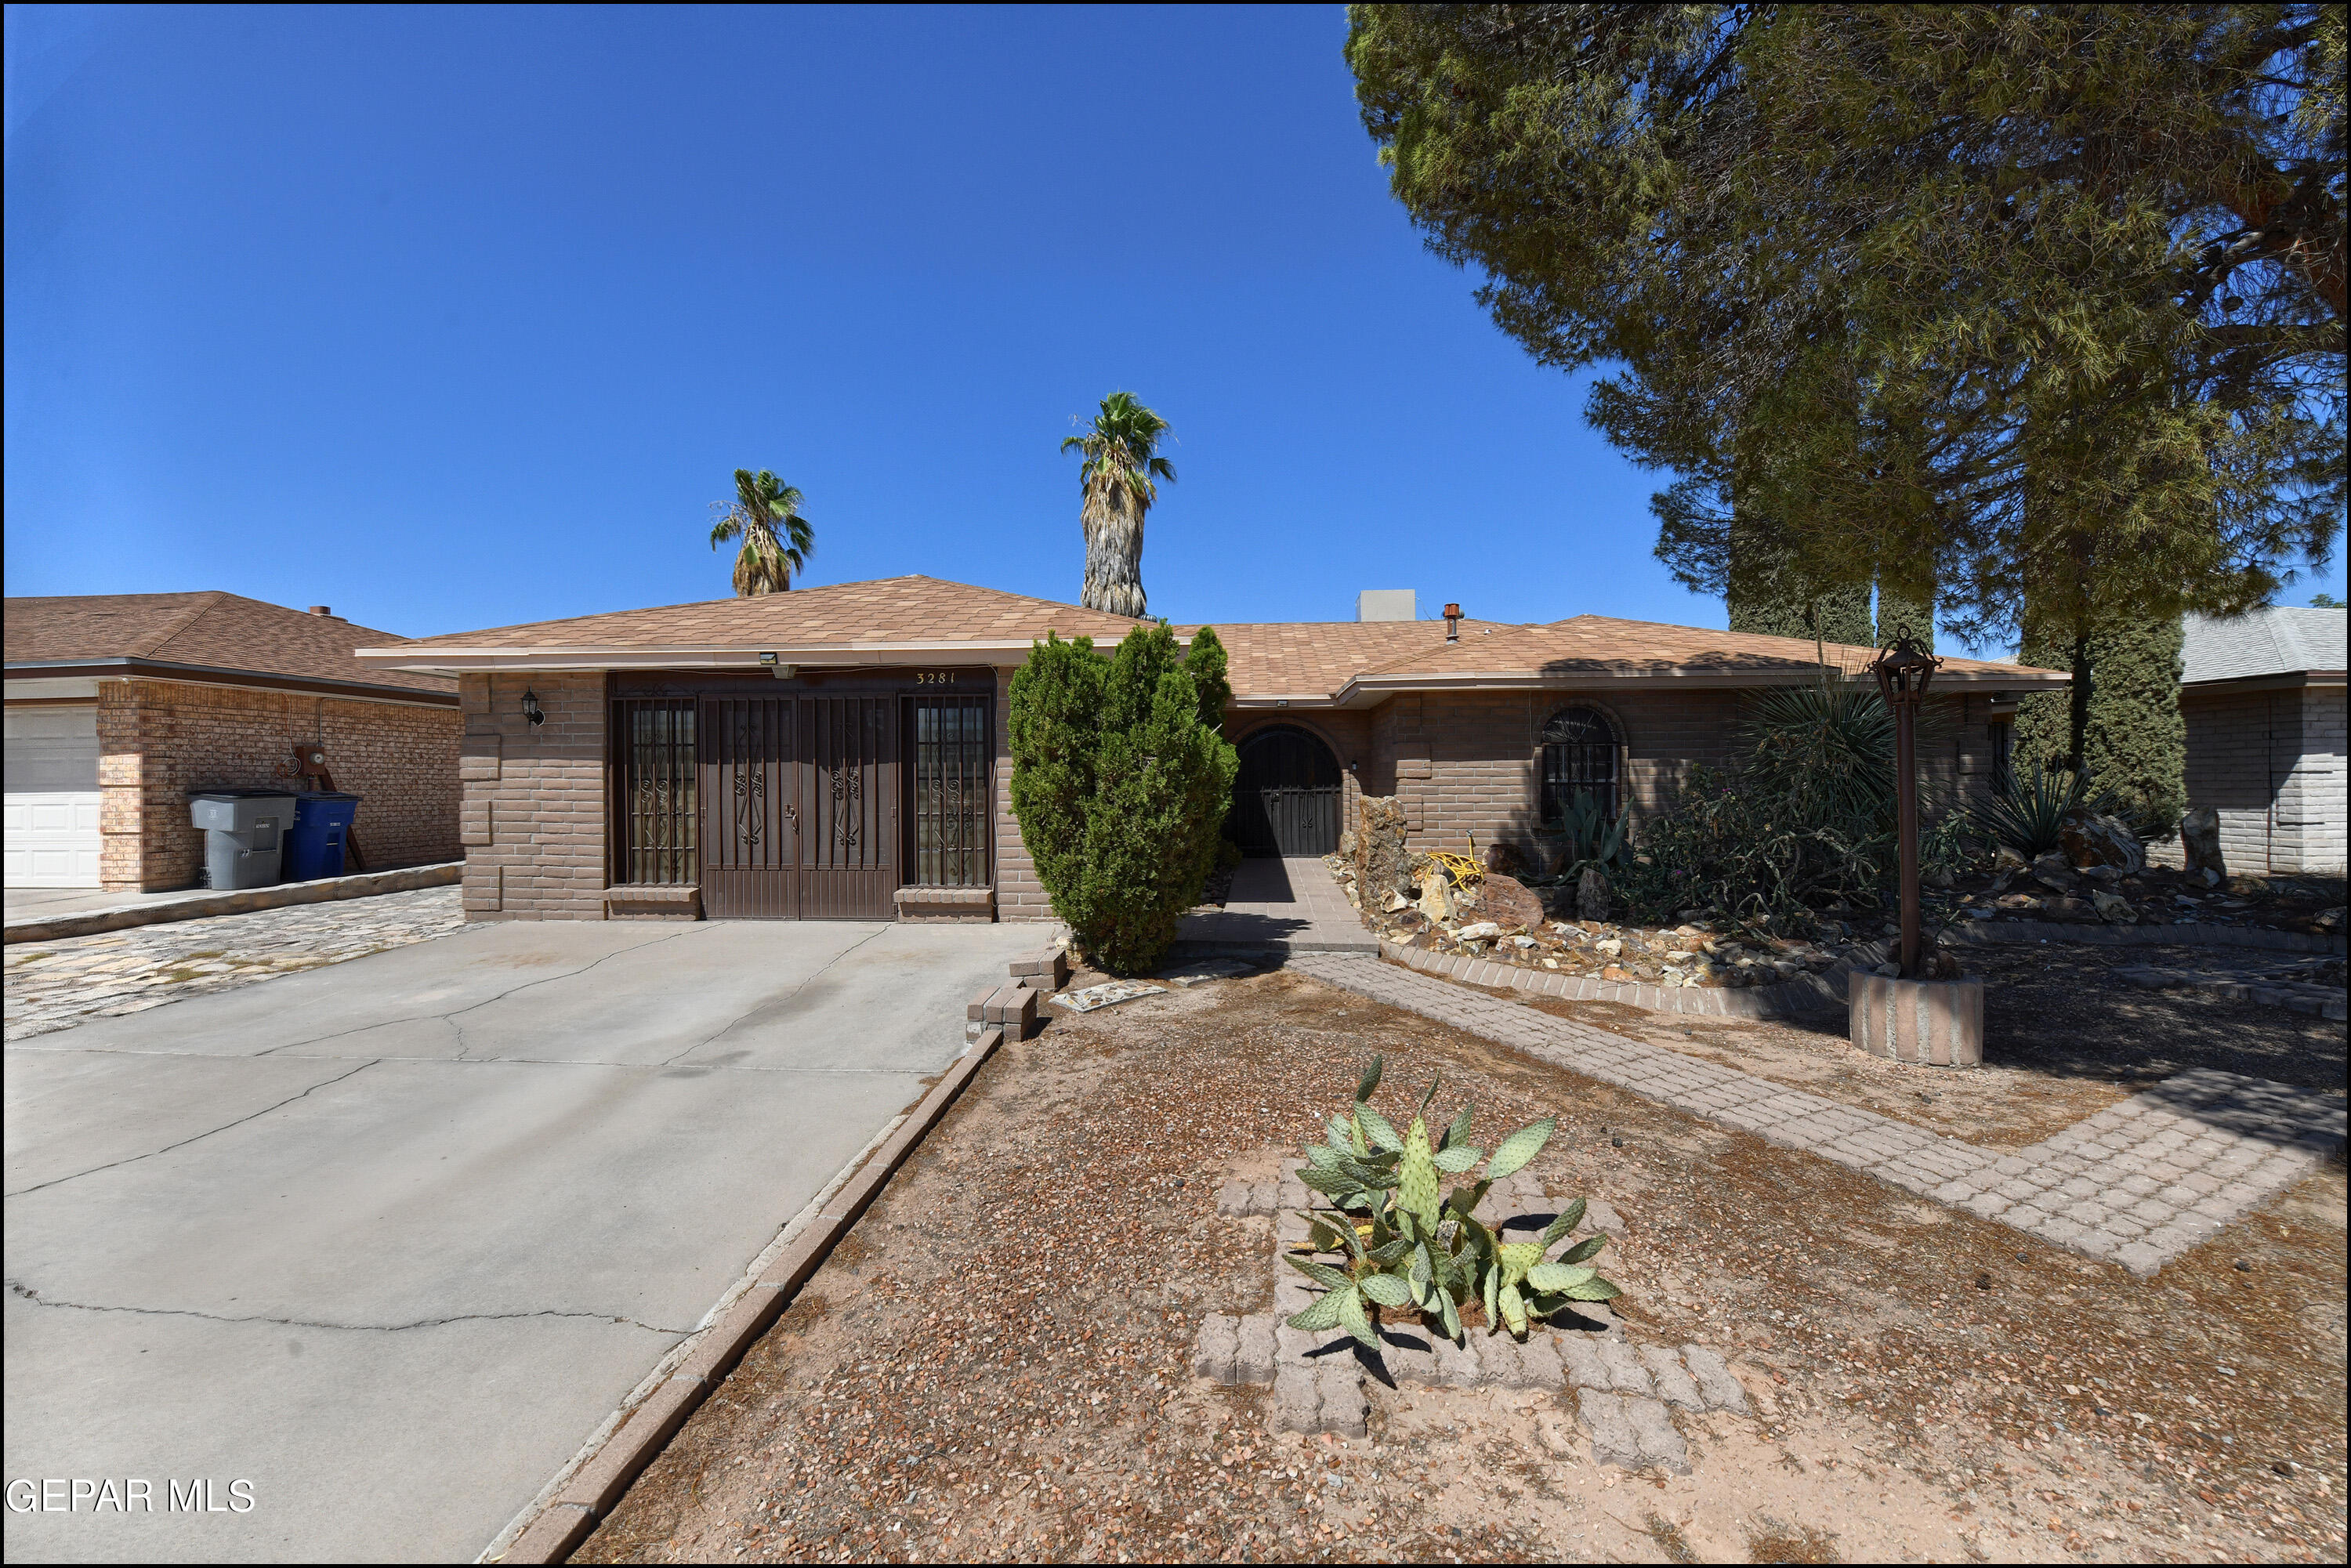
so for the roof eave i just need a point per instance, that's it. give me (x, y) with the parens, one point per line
(1368, 691)
(129, 667)
(459, 661)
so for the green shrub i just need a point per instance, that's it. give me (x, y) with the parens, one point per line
(1120, 775)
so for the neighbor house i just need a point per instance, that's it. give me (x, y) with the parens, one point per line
(118, 705)
(841, 752)
(2262, 694)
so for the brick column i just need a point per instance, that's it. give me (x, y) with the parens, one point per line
(533, 815)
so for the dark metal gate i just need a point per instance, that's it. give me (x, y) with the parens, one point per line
(799, 803)
(953, 803)
(1286, 798)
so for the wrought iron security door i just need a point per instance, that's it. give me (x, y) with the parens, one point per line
(952, 800)
(654, 816)
(1287, 795)
(798, 807)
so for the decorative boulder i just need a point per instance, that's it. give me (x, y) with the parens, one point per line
(1506, 860)
(1510, 903)
(1383, 865)
(1592, 894)
(2090, 838)
(2200, 840)
(1435, 899)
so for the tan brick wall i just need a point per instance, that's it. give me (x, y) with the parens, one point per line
(2270, 763)
(534, 809)
(1019, 894)
(159, 739)
(1467, 765)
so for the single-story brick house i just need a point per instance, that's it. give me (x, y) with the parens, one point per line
(841, 752)
(117, 705)
(2262, 698)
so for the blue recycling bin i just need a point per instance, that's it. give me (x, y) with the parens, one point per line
(314, 844)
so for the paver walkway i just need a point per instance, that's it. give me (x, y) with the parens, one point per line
(2139, 1182)
(56, 985)
(1279, 906)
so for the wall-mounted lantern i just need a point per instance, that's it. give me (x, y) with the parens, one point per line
(530, 708)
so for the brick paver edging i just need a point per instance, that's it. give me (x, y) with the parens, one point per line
(2140, 1182)
(600, 1484)
(1801, 993)
(241, 901)
(2005, 932)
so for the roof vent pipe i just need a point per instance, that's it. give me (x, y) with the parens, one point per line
(1453, 623)
(321, 610)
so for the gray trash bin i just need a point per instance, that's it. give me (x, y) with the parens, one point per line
(244, 833)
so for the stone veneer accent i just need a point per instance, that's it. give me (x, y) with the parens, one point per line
(534, 797)
(159, 739)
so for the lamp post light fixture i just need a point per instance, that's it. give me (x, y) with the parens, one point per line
(1903, 671)
(530, 709)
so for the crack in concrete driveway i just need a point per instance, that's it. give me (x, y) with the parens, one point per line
(25, 1293)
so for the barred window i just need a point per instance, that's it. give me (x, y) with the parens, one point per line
(1579, 753)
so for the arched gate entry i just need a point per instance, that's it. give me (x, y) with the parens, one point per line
(1286, 799)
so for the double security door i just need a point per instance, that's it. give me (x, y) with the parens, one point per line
(800, 806)
(787, 805)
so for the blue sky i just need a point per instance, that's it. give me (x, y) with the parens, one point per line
(463, 317)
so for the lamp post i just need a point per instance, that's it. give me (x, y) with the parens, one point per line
(1903, 671)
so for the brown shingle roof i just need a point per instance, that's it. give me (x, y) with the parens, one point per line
(1315, 658)
(1603, 645)
(1301, 660)
(213, 631)
(845, 615)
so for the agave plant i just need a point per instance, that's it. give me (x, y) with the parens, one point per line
(1587, 837)
(1413, 1247)
(2028, 818)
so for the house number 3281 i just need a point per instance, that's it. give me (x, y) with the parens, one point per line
(935, 678)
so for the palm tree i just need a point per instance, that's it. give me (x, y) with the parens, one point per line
(762, 504)
(1120, 463)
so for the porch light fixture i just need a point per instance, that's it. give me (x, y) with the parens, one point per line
(1903, 671)
(530, 709)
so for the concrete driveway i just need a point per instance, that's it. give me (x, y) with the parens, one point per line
(388, 1239)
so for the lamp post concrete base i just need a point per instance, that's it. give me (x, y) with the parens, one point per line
(1936, 1023)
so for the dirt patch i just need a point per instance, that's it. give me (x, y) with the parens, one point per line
(2062, 1040)
(1001, 1371)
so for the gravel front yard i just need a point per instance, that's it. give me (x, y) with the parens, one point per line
(996, 1365)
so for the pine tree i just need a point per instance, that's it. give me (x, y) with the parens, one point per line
(1900, 616)
(1121, 779)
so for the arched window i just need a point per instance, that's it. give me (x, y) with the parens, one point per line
(1578, 754)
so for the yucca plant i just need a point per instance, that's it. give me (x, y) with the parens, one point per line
(1411, 1247)
(2029, 815)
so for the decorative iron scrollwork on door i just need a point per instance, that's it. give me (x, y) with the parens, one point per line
(848, 781)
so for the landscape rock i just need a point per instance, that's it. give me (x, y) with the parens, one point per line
(2091, 838)
(2200, 840)
(2114, 909)
(1504, 860)
(1435, 899)
(1383, 864)
(1510, 903)
(1592, 894)
(1483, 931)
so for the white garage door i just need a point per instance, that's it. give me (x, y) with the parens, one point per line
(52, 796)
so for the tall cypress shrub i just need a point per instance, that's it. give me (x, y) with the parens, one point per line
(1120, 775)
(2119, 726)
